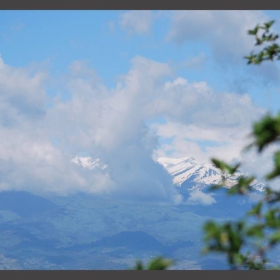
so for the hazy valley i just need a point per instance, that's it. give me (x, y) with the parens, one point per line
(84, 231)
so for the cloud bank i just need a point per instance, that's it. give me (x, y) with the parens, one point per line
(38, 141)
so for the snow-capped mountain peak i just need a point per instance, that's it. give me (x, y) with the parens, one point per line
(187, 171)
(184, 168)
(88, 162)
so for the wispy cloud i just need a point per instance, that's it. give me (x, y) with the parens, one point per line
(196, 62)
(225, 32)
(137, 22)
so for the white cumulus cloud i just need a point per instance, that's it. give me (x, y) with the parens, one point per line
(199, 197)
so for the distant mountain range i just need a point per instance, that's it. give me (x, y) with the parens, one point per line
(187, 173)
(84, 231)
(87, 232)
(190, 175)
(133, 241)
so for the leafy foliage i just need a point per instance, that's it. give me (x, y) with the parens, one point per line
(269, 52)
(259, 230)
(158, 263)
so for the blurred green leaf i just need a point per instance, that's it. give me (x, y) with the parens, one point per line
(256, 230)
(274, 238)
(266, 131)
(159, 264)
(269, 24)
(256, 210)
(138, 266)
(276, 171)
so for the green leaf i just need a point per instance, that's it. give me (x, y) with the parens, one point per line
(256, 230)
(233, 169)
(253, 31)
(233, 190)
(272, 218)
(211, 229)
(266, 131)
(274, 238)
(138, 266)
(159, 264)
(220, 164)
(224, 166)
(256, 210)
(215, 187)
(269, 24)
(276, 171)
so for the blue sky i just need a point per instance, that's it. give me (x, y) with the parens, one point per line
(126, 86)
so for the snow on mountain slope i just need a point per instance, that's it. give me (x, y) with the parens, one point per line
(88, 162)
(187, 170)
